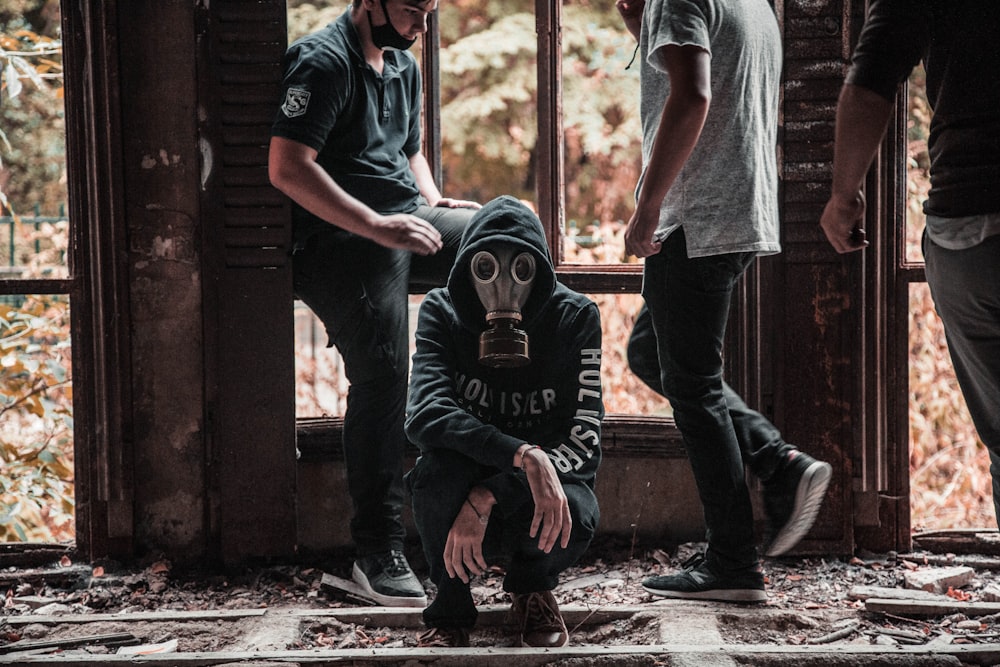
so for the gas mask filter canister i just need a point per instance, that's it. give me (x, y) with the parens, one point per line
(502, 277)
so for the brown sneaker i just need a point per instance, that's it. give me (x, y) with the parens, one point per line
(443, 637)
(539, 621)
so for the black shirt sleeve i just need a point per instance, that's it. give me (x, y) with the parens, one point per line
(893, 41)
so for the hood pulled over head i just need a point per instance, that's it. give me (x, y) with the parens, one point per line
(502, 279)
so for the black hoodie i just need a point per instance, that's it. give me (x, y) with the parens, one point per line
(486, 413)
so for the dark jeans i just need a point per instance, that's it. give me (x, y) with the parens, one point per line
(761, 444)
(965, 285)
(359, 290)
(440, 482)
(688, 301)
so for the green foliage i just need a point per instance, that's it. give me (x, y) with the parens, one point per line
(36, 421)
(36, 416)
(488, 91)
(305, 17)
(32, 127)
(489, 106)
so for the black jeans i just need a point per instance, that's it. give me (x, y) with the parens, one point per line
(359, 290)
(688, 301)
(440, 482)
(761, 444)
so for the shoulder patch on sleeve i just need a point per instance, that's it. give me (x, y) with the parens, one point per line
(296, 102)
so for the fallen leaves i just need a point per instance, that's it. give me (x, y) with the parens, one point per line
(960, 595)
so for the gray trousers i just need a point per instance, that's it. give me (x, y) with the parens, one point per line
(965, 285)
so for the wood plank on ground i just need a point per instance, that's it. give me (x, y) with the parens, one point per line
(929, 608)
(107, 639)
(862, 592)
(400, 617)
(154, 616)
(853, 654)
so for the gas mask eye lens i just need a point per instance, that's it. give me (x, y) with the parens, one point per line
(485, 267)
(523, 268)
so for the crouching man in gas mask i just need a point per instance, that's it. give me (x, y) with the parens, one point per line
(505, 406)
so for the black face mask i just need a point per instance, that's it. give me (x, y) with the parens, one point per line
(386, 36)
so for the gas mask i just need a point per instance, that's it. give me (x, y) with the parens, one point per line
(502, 277)
(386, 36)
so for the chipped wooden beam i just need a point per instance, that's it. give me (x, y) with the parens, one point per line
(963, 541)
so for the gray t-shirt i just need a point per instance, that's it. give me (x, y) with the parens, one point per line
(726, 195)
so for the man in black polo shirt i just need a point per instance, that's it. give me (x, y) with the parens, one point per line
(957, 42)
(368, 220)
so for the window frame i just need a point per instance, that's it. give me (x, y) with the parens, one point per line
(632, 433)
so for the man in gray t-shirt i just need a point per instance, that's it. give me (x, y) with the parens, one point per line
(728, 183)
(706, 206)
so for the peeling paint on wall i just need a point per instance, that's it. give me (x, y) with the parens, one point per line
(812, 7)
(163, 248)
(169, 236)
(161, 158)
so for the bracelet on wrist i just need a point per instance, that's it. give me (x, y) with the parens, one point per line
(483, 519)
(523, 452)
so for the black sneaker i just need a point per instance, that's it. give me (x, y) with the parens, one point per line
(443, 638)
(388, 579)
(793, 498)
(698, 582)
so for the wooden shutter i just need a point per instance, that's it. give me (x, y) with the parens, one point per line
(248, 292)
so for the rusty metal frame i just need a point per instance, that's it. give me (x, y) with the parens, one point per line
(99, 285)
(596, 279)
(634, 432)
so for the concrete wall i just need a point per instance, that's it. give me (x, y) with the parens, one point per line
(161, 170)
(653, 499)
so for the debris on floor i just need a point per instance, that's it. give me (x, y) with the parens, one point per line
(916, 599)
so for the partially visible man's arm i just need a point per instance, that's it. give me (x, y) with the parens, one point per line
(425, 180)
(293, 169)
(684, 114)
(862, 116)
(891, 43)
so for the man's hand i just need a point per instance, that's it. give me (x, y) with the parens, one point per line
(551, 518)
(448, 202)
(463, 551)
(293, 169)
(631, 13)
(842, 223)
(406, 232)
(639, 234)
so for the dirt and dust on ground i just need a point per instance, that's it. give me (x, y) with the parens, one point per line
(810, 601)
